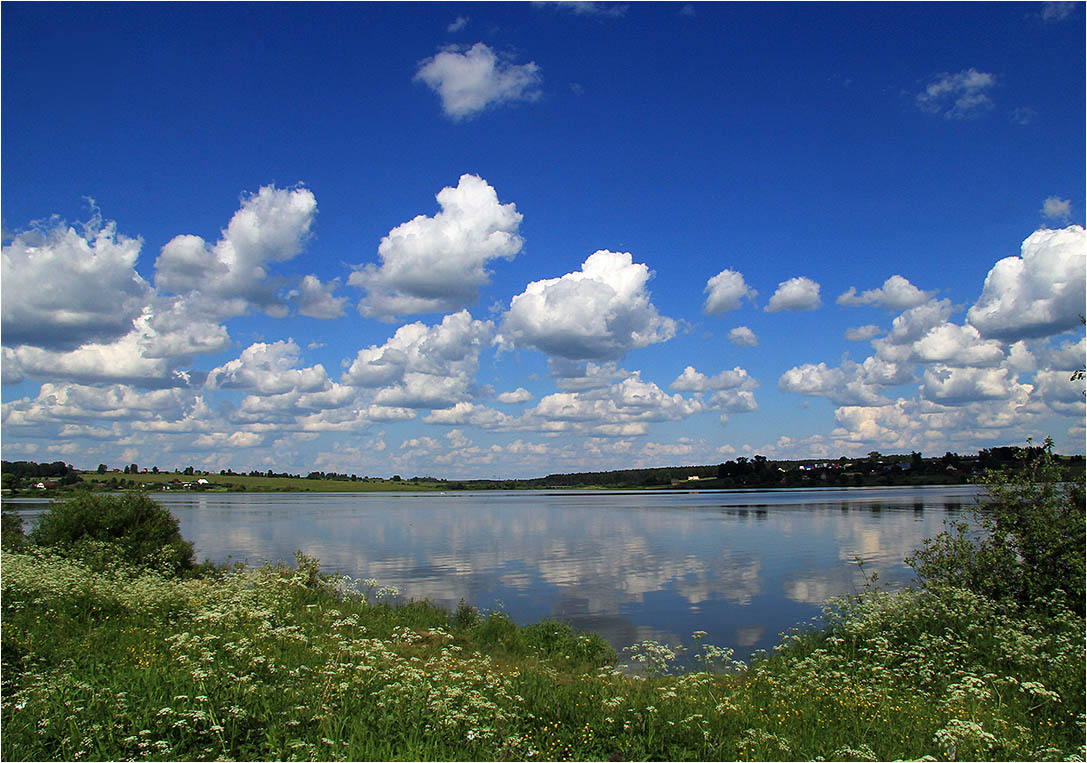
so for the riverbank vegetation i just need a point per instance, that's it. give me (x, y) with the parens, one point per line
(133, 656)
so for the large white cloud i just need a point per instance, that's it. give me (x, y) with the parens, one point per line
(597, 313)
(167, 335)
(450, 348)
(468, 80)
(62, 289)
(438, 264)
(956, 385)
(424, 366)
(960, 345)
(66, 403)
(909, 327)
(800, 293)
(623, 409)
(897, 293)
(726, 291)
(851, 384)
(271, 226)
(1039, 293)
(268, 369)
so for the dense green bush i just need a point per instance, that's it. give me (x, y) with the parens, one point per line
(132, 528)
(1030, 548)
(11, 532)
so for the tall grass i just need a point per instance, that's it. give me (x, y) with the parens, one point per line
(285, 663)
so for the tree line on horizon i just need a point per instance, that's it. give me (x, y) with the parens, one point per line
(758, 471)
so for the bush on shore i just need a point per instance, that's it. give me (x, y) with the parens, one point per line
(132, 528)
(1030, 553)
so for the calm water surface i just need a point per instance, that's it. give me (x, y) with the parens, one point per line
(742, 566)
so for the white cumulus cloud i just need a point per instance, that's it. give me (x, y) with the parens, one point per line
(693, 381)
(725, 291)
(271, 226)
(438, 264)
(742, 336)
(800, 293)
(1039, 293)
(621, 410)
(597, 313)
(268, 369)
(424, 366)
(862, 333)
(955, 386)
(61, 288)
(469, 80)
(897, 293)
(519, 395)
(850, 384)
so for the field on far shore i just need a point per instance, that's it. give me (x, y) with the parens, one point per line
(263, 484)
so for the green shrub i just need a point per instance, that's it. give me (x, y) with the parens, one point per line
(1030, 550)
(11, 532)
(137, 529)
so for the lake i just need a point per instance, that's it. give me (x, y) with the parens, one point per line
(744, 566)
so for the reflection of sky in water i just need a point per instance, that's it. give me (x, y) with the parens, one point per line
(743, 566)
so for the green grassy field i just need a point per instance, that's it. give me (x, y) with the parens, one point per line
(283, 663)
(243, 482)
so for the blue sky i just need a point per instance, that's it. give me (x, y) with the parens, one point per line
(504, 240)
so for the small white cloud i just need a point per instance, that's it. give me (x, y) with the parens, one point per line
(458, 24)
(742, 336)
(519, 395)
(438, 264)
(1057, 11)
(469, 80)
(1037, 294)
(585, 8)
(958, 96)
(725, 291)
(862, 333)
(796, 294)
(693, 381)
(897, 293)
(571, 376)
(1056, 209)
(597, 313)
